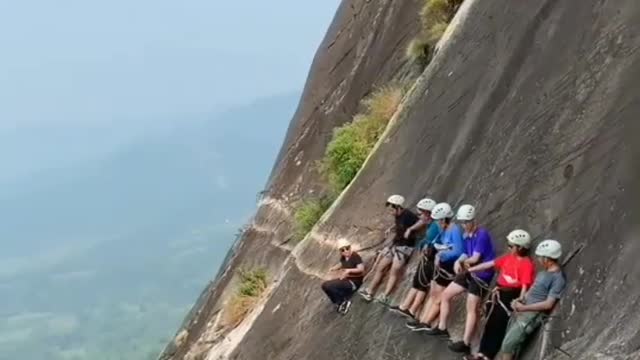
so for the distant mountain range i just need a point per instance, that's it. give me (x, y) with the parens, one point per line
(114, 250)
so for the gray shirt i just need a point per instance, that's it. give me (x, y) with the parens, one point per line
(547, 285)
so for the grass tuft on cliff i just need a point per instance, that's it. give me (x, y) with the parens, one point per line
(435, 16)
(307, 215)
(253, 284)
(352, 142)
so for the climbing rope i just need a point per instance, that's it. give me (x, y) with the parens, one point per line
(423, 279)
(442, 273)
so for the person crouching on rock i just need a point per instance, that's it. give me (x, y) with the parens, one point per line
(516, 271)
(478, 248)
(449, 246)
(351, 269)
(424, 272)
(398, 254)
(540, 300)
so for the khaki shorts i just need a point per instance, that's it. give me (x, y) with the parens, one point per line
(401, 253)
(519, 329)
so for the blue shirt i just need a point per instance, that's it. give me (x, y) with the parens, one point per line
(432, 233)
(451, 237)
(480, 242)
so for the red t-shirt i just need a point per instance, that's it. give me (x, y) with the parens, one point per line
(514, 271)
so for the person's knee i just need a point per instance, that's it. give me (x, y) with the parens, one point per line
(447, 295)
(473, 303)
(395, 270)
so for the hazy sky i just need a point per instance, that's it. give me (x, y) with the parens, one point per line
(84, 74)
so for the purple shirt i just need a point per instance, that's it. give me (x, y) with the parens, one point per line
(480, 242)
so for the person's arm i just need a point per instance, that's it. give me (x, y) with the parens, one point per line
(472, 260)
(457, 247)
(335, 267)
(358, 270)
(417, 226)
(523, 292)
(484, 266)
(483, 244)
(546, 305)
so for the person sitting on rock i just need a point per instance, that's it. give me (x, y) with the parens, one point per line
(351, 269)
(547, 289)
(449, 246)
(516, 271)
(424, 272)
(398, 254)
(478, 248)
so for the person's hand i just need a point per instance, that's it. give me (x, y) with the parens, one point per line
(343, 275)
(457, 267)
(407, 233)
(516, 305)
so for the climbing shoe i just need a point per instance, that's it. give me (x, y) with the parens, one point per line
(412, 324)
(403, 312)
(460, 347)
(384, 300)
(437, 332)
(422, 327)
(474, 357)
(344, 307)
(366, 295)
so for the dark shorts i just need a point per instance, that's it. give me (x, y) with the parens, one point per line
(443, 275)
(474, 286)
(424, 274)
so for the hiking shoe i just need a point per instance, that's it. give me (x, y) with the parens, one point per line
(422, 327)
(412, 324)
(407, 313)
(403, 312)
(384, 300)
(344, 307)
(395, 309)
(366, 295)
(474, 357)
(437, 332)
(460, 347)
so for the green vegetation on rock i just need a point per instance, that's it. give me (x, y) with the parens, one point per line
(253, 283)
(435, 16)
(352, 143)
(347, 152)
(307, 215)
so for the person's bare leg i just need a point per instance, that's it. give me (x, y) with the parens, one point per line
(394, 274)
(427, 305)
(418, 298)
(433, 311)
(445, 303)
(407, 303)
(472, 318)
(377, 277)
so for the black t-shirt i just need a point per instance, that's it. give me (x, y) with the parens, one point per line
(405, 220)
(351, 263)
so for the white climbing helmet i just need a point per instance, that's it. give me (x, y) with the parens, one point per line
(466, 213)
(397, 200)
(342, 243)
(426, 204)
(550, 249)
(519, 238)
(442, 211)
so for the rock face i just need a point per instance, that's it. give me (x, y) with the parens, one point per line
(529, 111)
